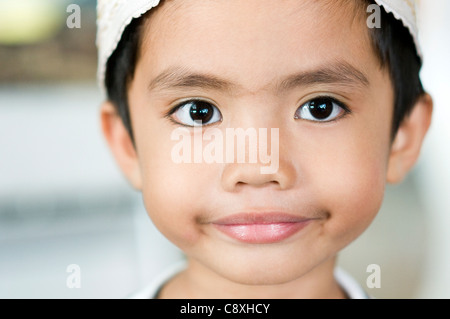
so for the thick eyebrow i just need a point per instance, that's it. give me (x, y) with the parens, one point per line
(340, 73)
(178, 77)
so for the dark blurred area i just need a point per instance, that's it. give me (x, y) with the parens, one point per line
(37, 44)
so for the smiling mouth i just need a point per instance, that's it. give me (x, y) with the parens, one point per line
(261, 228)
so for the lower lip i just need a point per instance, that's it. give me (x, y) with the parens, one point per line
(261, 233)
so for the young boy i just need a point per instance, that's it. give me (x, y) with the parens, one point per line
(261, 133)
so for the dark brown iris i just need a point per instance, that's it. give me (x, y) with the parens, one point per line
(321, 108)
(201, 111)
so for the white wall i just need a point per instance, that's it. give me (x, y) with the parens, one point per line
(435, 168)
(64, 201)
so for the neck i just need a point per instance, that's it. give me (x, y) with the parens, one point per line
(199, 282)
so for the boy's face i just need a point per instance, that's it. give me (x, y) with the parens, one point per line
(258, 63)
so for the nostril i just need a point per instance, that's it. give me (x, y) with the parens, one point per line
(237, 176)
(256, 184)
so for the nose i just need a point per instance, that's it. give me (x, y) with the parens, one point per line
(236, 175)
(264, 136)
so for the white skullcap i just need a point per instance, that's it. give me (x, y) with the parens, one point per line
(113, 16)
(405, 11)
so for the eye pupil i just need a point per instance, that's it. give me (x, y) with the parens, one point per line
(321, 108)
(201, 111)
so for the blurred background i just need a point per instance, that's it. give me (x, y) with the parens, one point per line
(63, 200)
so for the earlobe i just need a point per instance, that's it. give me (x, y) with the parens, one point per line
(405, 149)
(120, 144)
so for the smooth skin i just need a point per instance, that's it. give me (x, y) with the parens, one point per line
(265, 59)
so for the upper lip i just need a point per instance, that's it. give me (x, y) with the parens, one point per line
(260, 218)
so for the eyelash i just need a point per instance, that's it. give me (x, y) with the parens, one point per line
(345, 109)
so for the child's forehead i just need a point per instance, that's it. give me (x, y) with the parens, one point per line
(267, 55)
(231, 29)
(259, 6)
(241, 14)
(248, 23)
(115, 15)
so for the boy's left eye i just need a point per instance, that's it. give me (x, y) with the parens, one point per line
(322, 109)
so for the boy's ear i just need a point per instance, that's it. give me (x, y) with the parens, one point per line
(408, 141)
(120, 144)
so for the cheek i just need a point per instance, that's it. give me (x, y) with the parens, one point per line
(173, 192)
(357, 189)
(351, 181)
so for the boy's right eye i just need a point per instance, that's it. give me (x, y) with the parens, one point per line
(195, 113)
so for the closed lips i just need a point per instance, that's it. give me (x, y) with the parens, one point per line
(261, 228)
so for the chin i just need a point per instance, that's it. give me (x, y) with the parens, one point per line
(255, 272)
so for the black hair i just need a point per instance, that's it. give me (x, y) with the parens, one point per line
(396, 50)
(120, 70)
(392, 42)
